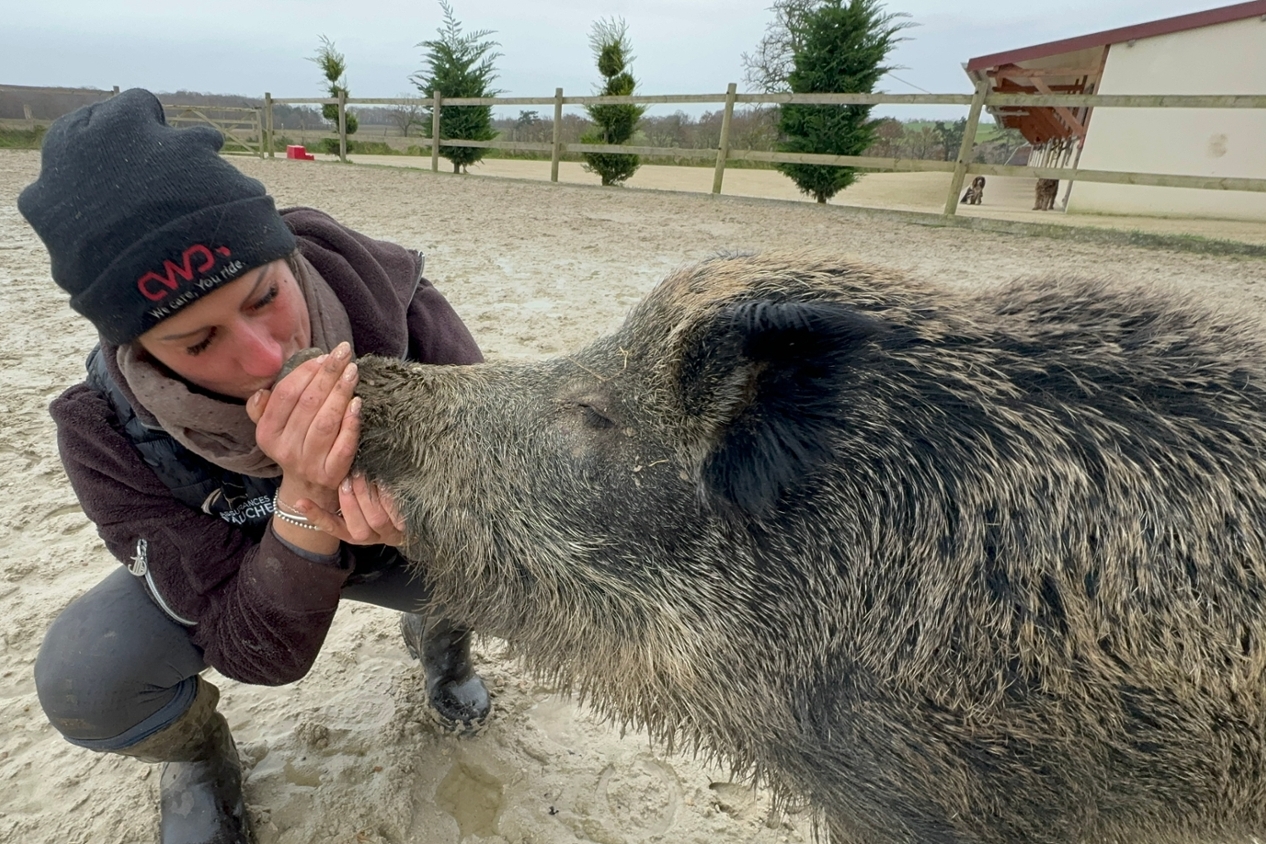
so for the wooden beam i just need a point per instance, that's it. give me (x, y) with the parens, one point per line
(965, 147)
(342, 126)
(1040, 125)
(992, 100)
(435, 131)
(556, 148)
(904, 165)
(1114, 177)
(723, 150)
(620, 149)
(1062, 111)
(269, 126)
(1040, 72)
(515, 146)
(1127, 100)
(1094, 89)
(638, 99)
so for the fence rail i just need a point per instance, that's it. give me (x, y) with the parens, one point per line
(981, 98)
(242, 126)
(1005, 100)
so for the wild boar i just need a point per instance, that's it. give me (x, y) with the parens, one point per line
(951, 566)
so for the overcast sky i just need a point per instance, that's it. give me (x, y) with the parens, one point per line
(681, 46)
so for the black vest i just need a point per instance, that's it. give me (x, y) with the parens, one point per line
(241, 500)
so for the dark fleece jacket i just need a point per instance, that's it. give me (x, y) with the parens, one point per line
(262, 611)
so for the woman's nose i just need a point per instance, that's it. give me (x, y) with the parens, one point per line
(259, 353)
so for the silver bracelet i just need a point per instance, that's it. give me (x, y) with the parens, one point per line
(278, 509)
(293, 521)
(296, 519)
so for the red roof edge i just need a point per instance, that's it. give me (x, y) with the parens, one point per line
(1223, 14)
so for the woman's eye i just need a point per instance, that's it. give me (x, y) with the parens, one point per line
(266, 298)
(201, 344)
(594, 419)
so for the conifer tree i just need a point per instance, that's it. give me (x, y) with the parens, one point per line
(841, 46)
(613, 124)
(459, 65)
(334, 68)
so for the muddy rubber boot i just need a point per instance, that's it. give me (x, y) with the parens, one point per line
(459, 699)
(201, 784)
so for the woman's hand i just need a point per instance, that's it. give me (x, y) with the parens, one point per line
(368, 516)
(309, 424)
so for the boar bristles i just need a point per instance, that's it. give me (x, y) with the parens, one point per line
(950, 566)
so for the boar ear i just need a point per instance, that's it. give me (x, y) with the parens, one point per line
(770, 374)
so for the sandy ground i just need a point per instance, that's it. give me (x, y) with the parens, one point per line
(1006, 197)
(347, 754)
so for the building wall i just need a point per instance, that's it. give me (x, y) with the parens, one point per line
(1228, 58)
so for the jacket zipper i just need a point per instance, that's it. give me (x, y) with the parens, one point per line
(139, 566)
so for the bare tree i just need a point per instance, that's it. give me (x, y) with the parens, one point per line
(405, 117)
(768, 67)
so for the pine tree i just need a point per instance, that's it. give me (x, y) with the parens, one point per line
(613, 124)
(841, 46)
(950, 136)
(334, 67)
(459, 65)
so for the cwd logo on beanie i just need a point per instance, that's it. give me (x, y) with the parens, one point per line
(176, 265)
(157, 287)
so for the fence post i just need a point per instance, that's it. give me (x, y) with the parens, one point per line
(342, 126)
(964, 150)
(435, 132)
(556, 153)
(268, 122)
(723, 151)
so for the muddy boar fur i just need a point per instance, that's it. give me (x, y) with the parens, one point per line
(952, 567)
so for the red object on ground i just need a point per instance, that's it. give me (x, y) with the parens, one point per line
(297, 152)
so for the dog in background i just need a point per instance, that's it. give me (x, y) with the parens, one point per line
(1045, 192)
(976, 192)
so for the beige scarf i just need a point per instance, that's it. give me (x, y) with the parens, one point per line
(218, 428)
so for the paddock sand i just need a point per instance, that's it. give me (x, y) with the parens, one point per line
(1006, 197)
(348, 754)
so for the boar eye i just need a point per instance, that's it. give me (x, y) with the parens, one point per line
(594, 419)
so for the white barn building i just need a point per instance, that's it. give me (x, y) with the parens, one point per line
(1218, 51)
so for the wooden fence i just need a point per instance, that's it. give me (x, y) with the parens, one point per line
(960, 168)
(242, 127)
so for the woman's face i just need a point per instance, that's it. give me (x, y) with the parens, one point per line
(234, 341)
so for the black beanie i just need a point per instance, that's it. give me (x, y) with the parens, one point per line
(141, 219)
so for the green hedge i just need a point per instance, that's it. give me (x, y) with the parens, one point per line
(21, 138)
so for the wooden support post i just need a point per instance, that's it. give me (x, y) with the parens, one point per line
(342, 126)
(723, 150)
(435, 133)
(556, 153)
(964, 150)
(1069, 118)
(1068, 188)
(268, 123)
